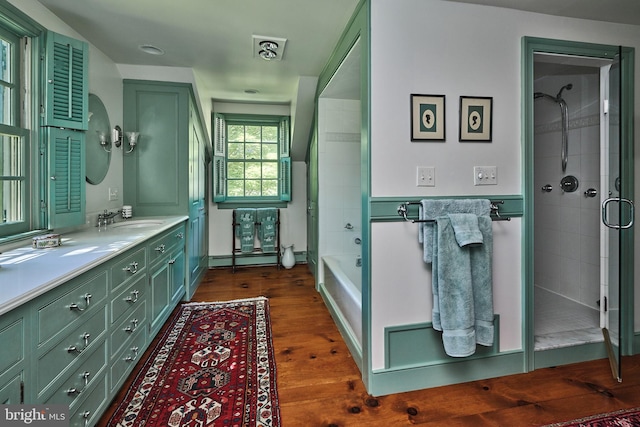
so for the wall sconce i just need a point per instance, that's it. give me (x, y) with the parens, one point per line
(133, 140)
(116, 139)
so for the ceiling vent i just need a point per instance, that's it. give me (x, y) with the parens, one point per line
(268, 48)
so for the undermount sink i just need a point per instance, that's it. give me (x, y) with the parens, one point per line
(139, 223)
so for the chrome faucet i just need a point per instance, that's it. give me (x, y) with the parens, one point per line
(107, 217)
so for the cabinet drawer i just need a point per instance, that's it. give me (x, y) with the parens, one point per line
(128, 266)
(88, 411)
(123, 333)
(127, 359)
(62, 312)
(130, 297)
(12, 349)
(164, 244)
(53, 362)
(83, 377)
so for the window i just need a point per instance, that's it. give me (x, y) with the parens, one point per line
(14, 142)
(251, 161)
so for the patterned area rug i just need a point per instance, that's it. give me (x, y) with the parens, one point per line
(623, 418)
(213, 366)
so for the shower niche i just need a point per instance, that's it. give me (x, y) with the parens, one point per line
(569, 157)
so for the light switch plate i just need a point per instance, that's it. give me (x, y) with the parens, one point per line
(485, 175)
(113, 193)
(426, 176)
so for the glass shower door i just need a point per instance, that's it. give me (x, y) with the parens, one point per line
(617, 215)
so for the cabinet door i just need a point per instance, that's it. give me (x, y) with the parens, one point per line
(156, 171)
(178, 278)
(66, 71)
(66, 198)
(160, 295)
(13, 353)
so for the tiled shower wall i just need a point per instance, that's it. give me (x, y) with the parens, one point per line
(339, 176)
(567, 225)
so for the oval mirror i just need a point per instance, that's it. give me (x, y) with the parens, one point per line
(97, 156)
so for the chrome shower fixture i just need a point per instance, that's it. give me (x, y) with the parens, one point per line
(565, 120)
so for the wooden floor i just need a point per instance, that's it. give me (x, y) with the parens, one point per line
(319, 383)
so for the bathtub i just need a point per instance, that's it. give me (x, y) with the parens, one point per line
(343, 287)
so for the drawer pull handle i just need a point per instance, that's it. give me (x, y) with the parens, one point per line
(87, 299)
(161, 248)
(73, 349)
(132, 268)
(85, 377)
(135, 355)
(180, 235)
(130, 329)
(133, 298)
(86, 415)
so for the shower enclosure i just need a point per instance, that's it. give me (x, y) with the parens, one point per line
(573, 145)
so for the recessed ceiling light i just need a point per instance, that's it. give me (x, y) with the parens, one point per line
(251, 91)
(151, 49)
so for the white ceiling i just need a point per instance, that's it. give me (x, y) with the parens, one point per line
(214, 37)
(620, 11)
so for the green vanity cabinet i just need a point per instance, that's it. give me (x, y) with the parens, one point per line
(76, 343)
(14, 327)
(166, 173)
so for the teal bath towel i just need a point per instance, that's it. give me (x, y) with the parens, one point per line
(245, 220)
(462, 289)
(430, 209)
(267, 218)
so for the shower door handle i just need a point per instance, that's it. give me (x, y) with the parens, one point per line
(605, 219)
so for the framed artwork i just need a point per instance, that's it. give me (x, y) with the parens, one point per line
(476, 118)
(427, 118)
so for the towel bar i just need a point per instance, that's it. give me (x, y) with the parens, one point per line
(495, 212)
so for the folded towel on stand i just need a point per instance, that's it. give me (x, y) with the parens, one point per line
(267, 218)
(245, 220)
(462, 284)
(430, 209)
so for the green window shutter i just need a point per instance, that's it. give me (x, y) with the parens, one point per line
(66, 153)
(219, 135)
(219, 176)
(285, 179)
(66, 71)
(285, 136)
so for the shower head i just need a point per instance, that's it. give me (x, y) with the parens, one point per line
(567, 87)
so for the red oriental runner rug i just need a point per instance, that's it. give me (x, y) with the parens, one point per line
(623, 418)
(213, 366)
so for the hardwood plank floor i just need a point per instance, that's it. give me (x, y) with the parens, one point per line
(319, 384)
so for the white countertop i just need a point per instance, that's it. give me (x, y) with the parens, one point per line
(26, 273)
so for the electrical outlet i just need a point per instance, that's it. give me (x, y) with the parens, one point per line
(113, 194)
(426, 176)
(485, 175)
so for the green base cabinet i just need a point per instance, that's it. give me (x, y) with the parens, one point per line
(77, 343)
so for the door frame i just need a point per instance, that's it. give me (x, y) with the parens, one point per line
(530, 46)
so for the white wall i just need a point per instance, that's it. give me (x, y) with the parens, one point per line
(104, 81)
(453, 49)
